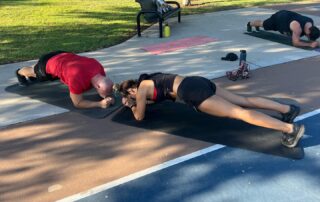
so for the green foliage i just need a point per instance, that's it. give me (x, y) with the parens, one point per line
(30, 28)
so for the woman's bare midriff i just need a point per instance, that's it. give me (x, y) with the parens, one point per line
(175, 87)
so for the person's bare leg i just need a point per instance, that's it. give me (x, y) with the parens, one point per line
(218, 106)
(252, 102)
(27, 72)
(256, 23)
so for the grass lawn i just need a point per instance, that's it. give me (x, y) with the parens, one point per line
(30, 28)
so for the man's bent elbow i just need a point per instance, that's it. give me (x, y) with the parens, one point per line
(296, 43)
(76, 105)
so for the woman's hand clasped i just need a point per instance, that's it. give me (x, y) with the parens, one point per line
(128, 102)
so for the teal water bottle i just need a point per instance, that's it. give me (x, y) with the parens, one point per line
(243, 56)
(166, 30)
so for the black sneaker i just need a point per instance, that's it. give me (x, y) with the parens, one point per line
(291, 115)
(21, 79)
(249, 28)
(291, 139)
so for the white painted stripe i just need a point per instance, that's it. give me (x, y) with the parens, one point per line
(160, 167)
(307, 115)
(141, 173)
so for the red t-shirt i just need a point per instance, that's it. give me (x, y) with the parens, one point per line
(75, 71)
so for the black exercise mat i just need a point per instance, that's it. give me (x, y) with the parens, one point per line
(279, 38)
(181, 120)
(57, 94)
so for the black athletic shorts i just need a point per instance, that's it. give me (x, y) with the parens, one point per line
(194, 90)
(40, 67)
(41, 73)
(270, 23)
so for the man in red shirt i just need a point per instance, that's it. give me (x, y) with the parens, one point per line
(79, 73)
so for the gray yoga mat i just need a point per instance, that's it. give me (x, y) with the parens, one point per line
(55, 93)
(279, 38)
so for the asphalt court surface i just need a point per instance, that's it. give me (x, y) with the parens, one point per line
(229, 174)
(66, 153)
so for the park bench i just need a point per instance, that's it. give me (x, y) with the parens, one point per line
(151, 14)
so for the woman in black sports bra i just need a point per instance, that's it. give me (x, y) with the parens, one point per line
(203, 95)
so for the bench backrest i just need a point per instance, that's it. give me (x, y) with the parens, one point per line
(148, 5)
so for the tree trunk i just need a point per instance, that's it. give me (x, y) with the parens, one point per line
(186, 2)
